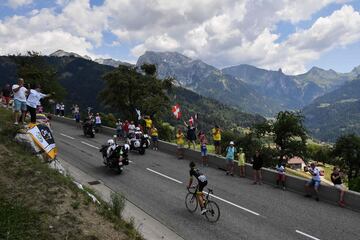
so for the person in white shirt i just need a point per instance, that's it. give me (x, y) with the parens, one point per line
(314, 181)
(62, 109)
(131, 129)
(33, 100)
(57, 112)
(19, 92)
(97, 122)
(280, 176)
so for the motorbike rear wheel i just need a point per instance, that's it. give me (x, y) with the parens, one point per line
(142, 151)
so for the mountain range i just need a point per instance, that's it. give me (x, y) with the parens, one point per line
(82, 80)
(328, 99)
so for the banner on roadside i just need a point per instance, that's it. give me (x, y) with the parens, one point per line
(42, 136)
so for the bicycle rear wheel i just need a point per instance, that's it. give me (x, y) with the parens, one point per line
(191, 202)
(213, 211)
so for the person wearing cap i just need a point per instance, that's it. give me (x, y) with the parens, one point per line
(230, 155)
(241, 162)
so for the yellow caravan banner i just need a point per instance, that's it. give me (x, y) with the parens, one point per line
(42, 136)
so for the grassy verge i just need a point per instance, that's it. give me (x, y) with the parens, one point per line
(37, 202)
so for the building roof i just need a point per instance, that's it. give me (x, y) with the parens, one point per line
(296, 160)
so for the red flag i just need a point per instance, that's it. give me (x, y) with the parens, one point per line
(191, 121)
(176, 111)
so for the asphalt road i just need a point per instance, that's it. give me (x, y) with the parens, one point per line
(156, 182)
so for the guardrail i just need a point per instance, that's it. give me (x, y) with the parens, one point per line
(293, 183)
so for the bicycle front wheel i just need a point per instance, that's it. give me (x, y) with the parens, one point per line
(213, 211)
(191, 202)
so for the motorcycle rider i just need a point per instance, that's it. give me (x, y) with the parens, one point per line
(111, 147)
(138, 133)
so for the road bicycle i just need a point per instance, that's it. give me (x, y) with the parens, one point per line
(213, 211)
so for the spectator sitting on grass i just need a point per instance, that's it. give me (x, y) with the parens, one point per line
(314, 181)
(336, 179)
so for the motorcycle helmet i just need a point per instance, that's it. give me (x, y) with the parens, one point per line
(137, 144)
(137, 129)
(126, 147)
(110, 142)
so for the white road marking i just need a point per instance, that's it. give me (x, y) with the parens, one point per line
(233, 204)
(90, 145)
(67, 136)
(307, 235)
(163, 175)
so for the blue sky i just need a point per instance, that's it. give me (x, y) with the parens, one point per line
(294, 35)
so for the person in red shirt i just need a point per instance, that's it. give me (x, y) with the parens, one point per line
(125, 128)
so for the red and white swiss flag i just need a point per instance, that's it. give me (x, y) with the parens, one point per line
(176, 111)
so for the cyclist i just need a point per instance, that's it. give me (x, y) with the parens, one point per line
(202, 182)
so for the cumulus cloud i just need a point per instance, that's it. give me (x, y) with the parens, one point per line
(18, 3)
(222, 33)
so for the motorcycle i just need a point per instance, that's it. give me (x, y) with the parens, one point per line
(88, 128)
(139, 142)
(118, 157)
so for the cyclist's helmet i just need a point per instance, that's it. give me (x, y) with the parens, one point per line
(192, 164)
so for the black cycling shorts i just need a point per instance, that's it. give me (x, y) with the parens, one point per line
(201, 186)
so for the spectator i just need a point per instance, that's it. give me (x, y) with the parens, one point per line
(336, 180)
(148, 124)
(39, 108)
(125, 128)
(76, 110)
(280, 176)
(57, 109)
(62, 109)
(77, 119)
(257, 162)
(230, 155)
(203, 148)
(216, 132)
(119, 129)
(6, 94)
(97, 122)
(190, 135)
(241, 162)
(154, 137)
(19, 92)
(131, 128)
(33, 100)
(180, 144)
(314, 181)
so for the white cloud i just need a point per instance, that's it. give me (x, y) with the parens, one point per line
(18, 3)
(222, 33)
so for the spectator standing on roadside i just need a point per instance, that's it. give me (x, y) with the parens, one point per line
(119, 129)
(154, 137)
(257, 162)
(33, 100)
(148, 124)
(125, 128)
(131, 128)
(336, 180)
(280, 176)
(62, 109)
(6, 94)
(216, 132)
(203, 148)
(97, 122)
(314, 181)
(230, 156)
(180, 143)
(57, 109)
(190, 135)
(19, 92)
(241, 162)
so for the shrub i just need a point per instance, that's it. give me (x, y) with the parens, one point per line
(354, 184)
(118, 203)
